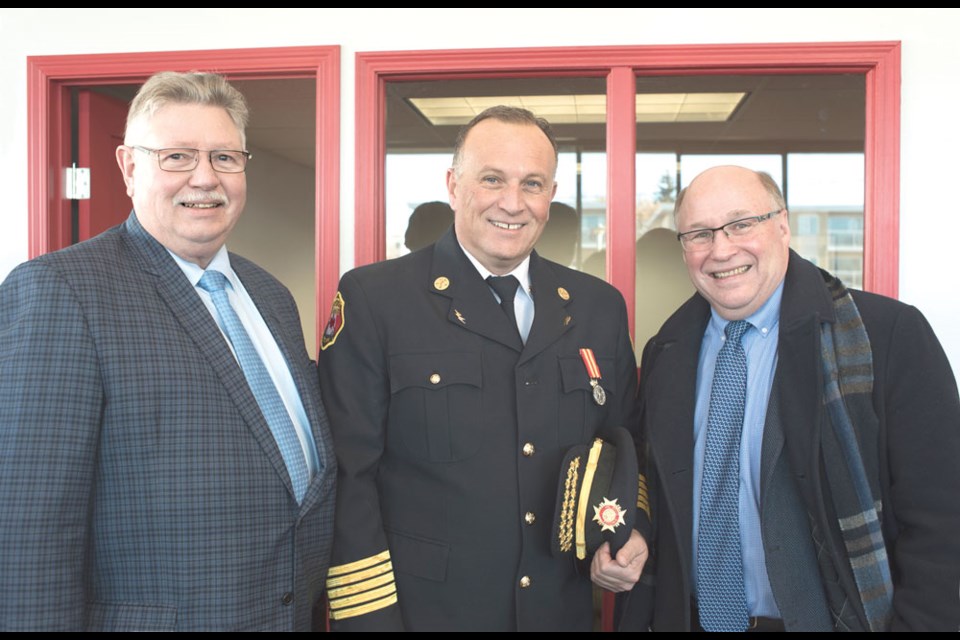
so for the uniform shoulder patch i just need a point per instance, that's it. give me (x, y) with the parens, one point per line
(334, 324)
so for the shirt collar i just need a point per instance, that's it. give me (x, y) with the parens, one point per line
(765, 319)
(521, 272)
(220, 262)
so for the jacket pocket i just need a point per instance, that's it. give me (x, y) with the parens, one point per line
(121, 616)
(579, 416)
(417, 556)
(435, 404)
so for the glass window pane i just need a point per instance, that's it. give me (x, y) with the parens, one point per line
(692, 165)
(423, 119)
(413, 180)
(810, 126)
(825, 198)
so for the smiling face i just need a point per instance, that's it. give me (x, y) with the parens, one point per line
(191, 213)
(735, 275)
(501, 192)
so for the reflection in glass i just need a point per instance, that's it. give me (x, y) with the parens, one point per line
(806, 131)
(419, 149)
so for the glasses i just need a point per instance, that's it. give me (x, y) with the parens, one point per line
(179, 159)
(702, 239)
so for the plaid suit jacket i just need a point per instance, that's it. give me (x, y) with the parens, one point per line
(140, 487)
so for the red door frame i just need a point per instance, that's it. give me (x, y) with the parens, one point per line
(878, 61)
(49, 79)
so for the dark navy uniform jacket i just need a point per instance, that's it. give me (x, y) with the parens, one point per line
(450, 433)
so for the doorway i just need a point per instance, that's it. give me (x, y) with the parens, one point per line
(294, 134)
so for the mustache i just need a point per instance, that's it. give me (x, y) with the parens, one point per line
(202, 196)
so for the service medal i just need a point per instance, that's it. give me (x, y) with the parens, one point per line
(599, 395)
(593, 372)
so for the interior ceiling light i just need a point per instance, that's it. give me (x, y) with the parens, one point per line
(586, 109)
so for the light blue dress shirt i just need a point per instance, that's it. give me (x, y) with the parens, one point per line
(760, 345)
(523, 302)
(263, 341)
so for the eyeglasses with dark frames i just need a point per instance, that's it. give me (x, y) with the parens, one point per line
(183, 159)
(702, 239)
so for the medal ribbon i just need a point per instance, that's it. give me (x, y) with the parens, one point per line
(590, 362)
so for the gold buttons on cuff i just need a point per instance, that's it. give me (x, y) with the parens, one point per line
(435, 378)
(529, 449)
(524, 582)
(530, 517)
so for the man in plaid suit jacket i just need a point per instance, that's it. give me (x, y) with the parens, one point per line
(140, 485)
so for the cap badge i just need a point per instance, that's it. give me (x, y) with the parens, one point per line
(608, 514)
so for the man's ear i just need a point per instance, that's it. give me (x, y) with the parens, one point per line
(452, 188)
(125, 159)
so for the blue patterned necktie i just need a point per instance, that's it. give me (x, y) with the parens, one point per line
(261, 384)
(506, 288)
(720, 590)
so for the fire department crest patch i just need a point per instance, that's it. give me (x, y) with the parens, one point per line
(334, 324)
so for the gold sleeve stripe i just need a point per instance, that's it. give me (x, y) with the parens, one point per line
(361, 586)
(359, 564)
(361, 610)
(361, 576)
(584, 504)
(643, 501)
(360, 598)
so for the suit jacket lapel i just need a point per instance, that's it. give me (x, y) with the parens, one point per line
(187, 307)
(670, 412)
(308, 389)
(471, 302)
(551, 318)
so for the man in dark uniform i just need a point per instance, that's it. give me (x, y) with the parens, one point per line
(451, 416)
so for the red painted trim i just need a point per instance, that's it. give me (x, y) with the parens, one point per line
(370, 150)
(48, 132)
(879, 61)
(328, 186)
(622, 185)
(881, 251)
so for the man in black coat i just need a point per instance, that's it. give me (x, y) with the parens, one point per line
(845, 479)
(451, 416)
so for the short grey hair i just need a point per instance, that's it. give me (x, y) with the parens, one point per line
(194, 87)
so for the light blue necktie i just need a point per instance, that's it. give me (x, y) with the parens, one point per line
(720, 591)
(260, 383)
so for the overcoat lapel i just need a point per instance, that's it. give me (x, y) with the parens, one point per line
(670, 417)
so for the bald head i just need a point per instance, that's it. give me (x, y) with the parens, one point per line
(736, 274)
(731, 174)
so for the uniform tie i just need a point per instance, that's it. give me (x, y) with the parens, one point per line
(720, 591)
(261, 384)
(506, 288)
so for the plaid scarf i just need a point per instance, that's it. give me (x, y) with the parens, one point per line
(849, 450)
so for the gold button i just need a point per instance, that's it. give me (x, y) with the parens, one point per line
(435, 378)
(530, 517)
(566, 320)
(441, 283)
(529, 449)
(524, 582)
(563, 293)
